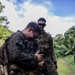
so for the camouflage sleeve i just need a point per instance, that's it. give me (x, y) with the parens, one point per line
(18, 56)
(52, 50)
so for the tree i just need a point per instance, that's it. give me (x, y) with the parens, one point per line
(64, 44)
(69, 40)
(1, 7)
(3, 18)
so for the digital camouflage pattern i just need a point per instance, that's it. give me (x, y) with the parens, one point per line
(46, 42)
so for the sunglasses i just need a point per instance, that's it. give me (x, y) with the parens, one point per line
(40, 24)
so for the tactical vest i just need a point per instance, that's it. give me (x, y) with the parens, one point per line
(43, 41)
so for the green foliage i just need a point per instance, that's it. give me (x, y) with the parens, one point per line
(4, 32)
(71, 32)
(1, 7)
(63, 68)
(3, 19)
(70, 61)
(64, 44)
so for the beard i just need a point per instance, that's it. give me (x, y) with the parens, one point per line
(31, 39)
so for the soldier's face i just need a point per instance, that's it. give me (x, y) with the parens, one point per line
(41, 24)
(33, 35)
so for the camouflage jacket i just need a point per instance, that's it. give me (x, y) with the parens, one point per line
(46, 42)
(19, 53)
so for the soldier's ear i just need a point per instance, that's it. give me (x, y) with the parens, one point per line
(31, 30)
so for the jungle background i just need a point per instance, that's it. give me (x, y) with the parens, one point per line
(63, 45)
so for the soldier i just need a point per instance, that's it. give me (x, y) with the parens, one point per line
(20, 59)
(46, 42)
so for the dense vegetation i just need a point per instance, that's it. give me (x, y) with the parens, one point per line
(64, 49)
(4, 33)
(64, 44)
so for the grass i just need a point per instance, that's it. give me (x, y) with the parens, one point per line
(70, 61)
(63, 68)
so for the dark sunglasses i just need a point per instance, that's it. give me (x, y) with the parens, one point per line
(40, 24)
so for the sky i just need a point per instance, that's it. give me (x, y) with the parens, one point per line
(59, 14)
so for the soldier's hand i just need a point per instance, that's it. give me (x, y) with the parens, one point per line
(41, 64)
(39, 56)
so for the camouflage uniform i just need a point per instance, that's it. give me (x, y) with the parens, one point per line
(20, 55)
(46, 42)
